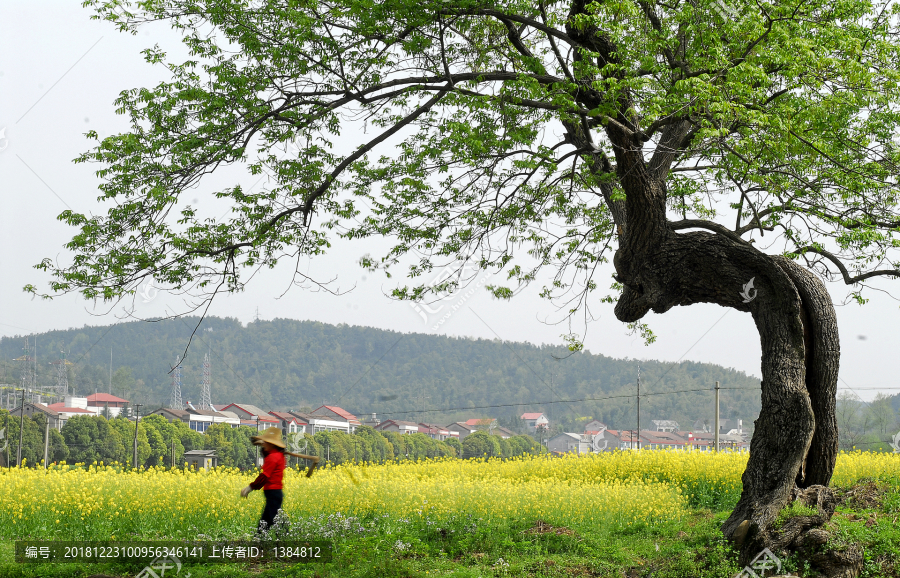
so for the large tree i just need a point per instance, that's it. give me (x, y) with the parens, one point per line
(724, 151)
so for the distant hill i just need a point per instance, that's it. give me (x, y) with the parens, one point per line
(287, 363)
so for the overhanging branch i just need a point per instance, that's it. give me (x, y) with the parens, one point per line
(709, 226)
(848, 280)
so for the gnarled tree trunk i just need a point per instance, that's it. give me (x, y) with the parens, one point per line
(795, 439)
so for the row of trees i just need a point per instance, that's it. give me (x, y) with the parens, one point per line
(90, 439)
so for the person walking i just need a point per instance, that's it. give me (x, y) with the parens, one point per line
(269, 480)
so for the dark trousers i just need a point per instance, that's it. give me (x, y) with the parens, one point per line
(273, 504)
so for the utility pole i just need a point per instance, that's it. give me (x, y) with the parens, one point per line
(424, 397)
(46, 441)
(638, 409)
(257, 447)
(137, 419)
(717, 416)
(5, 432)
(173, 454)
(21, 424)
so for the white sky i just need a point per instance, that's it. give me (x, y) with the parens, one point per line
(61, 71)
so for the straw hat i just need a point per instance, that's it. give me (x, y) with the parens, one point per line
(271, 435)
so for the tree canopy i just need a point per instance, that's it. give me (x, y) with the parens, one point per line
(492, 131)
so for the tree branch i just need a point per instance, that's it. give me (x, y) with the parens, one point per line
(709, 226)
(848, 280)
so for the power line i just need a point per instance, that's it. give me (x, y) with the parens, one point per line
(869, 388)
(253, 389)
(349, 389)
(562, 400)
(727, 311)
(519, 357)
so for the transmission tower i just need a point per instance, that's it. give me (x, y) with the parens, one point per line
(29, 377)
(62, 375)
(175, 402)
(205, 397)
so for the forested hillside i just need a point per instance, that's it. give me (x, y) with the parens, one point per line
(293, 364)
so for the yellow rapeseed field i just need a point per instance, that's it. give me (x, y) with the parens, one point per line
(612, 490)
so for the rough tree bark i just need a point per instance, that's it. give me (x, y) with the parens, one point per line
(795, 440)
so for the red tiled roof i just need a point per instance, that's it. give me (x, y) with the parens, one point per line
(58, 407)
(531, 415)
(480, 421)
(461, 424)
(283, 415)
(340, 411)
(105, 398)
(397, 423)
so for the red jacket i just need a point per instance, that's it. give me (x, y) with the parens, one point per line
(272, 472)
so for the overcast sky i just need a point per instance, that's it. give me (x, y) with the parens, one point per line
(61, 71)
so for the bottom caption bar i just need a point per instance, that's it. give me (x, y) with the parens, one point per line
(172, 554)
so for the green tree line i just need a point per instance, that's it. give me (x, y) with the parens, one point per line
(95, 439)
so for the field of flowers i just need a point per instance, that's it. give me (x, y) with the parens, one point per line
(610, 490)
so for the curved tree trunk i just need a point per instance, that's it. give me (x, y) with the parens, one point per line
(795, 440)
(822, 363)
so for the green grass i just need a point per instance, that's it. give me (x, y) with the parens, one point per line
(467, 547)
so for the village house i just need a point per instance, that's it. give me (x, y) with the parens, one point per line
(594, 427)
(197, 459)
(662, 440)
(289, 423)
(603, 440)
(726, 426)
(533, 421)
(437, 432)
(338, 413)
(249, 415)
(105, 402)
(482, 423)
(316, 423)
(56, 420)
(398, 426)
(624, 439)
(463, 429)
(569, 443)
(200, 419)
(70, 407)
(173, 415)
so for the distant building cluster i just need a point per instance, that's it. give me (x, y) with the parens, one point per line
(58, 414)
(666, 435)
(596, 437)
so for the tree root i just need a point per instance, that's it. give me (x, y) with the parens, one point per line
(803, 534)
